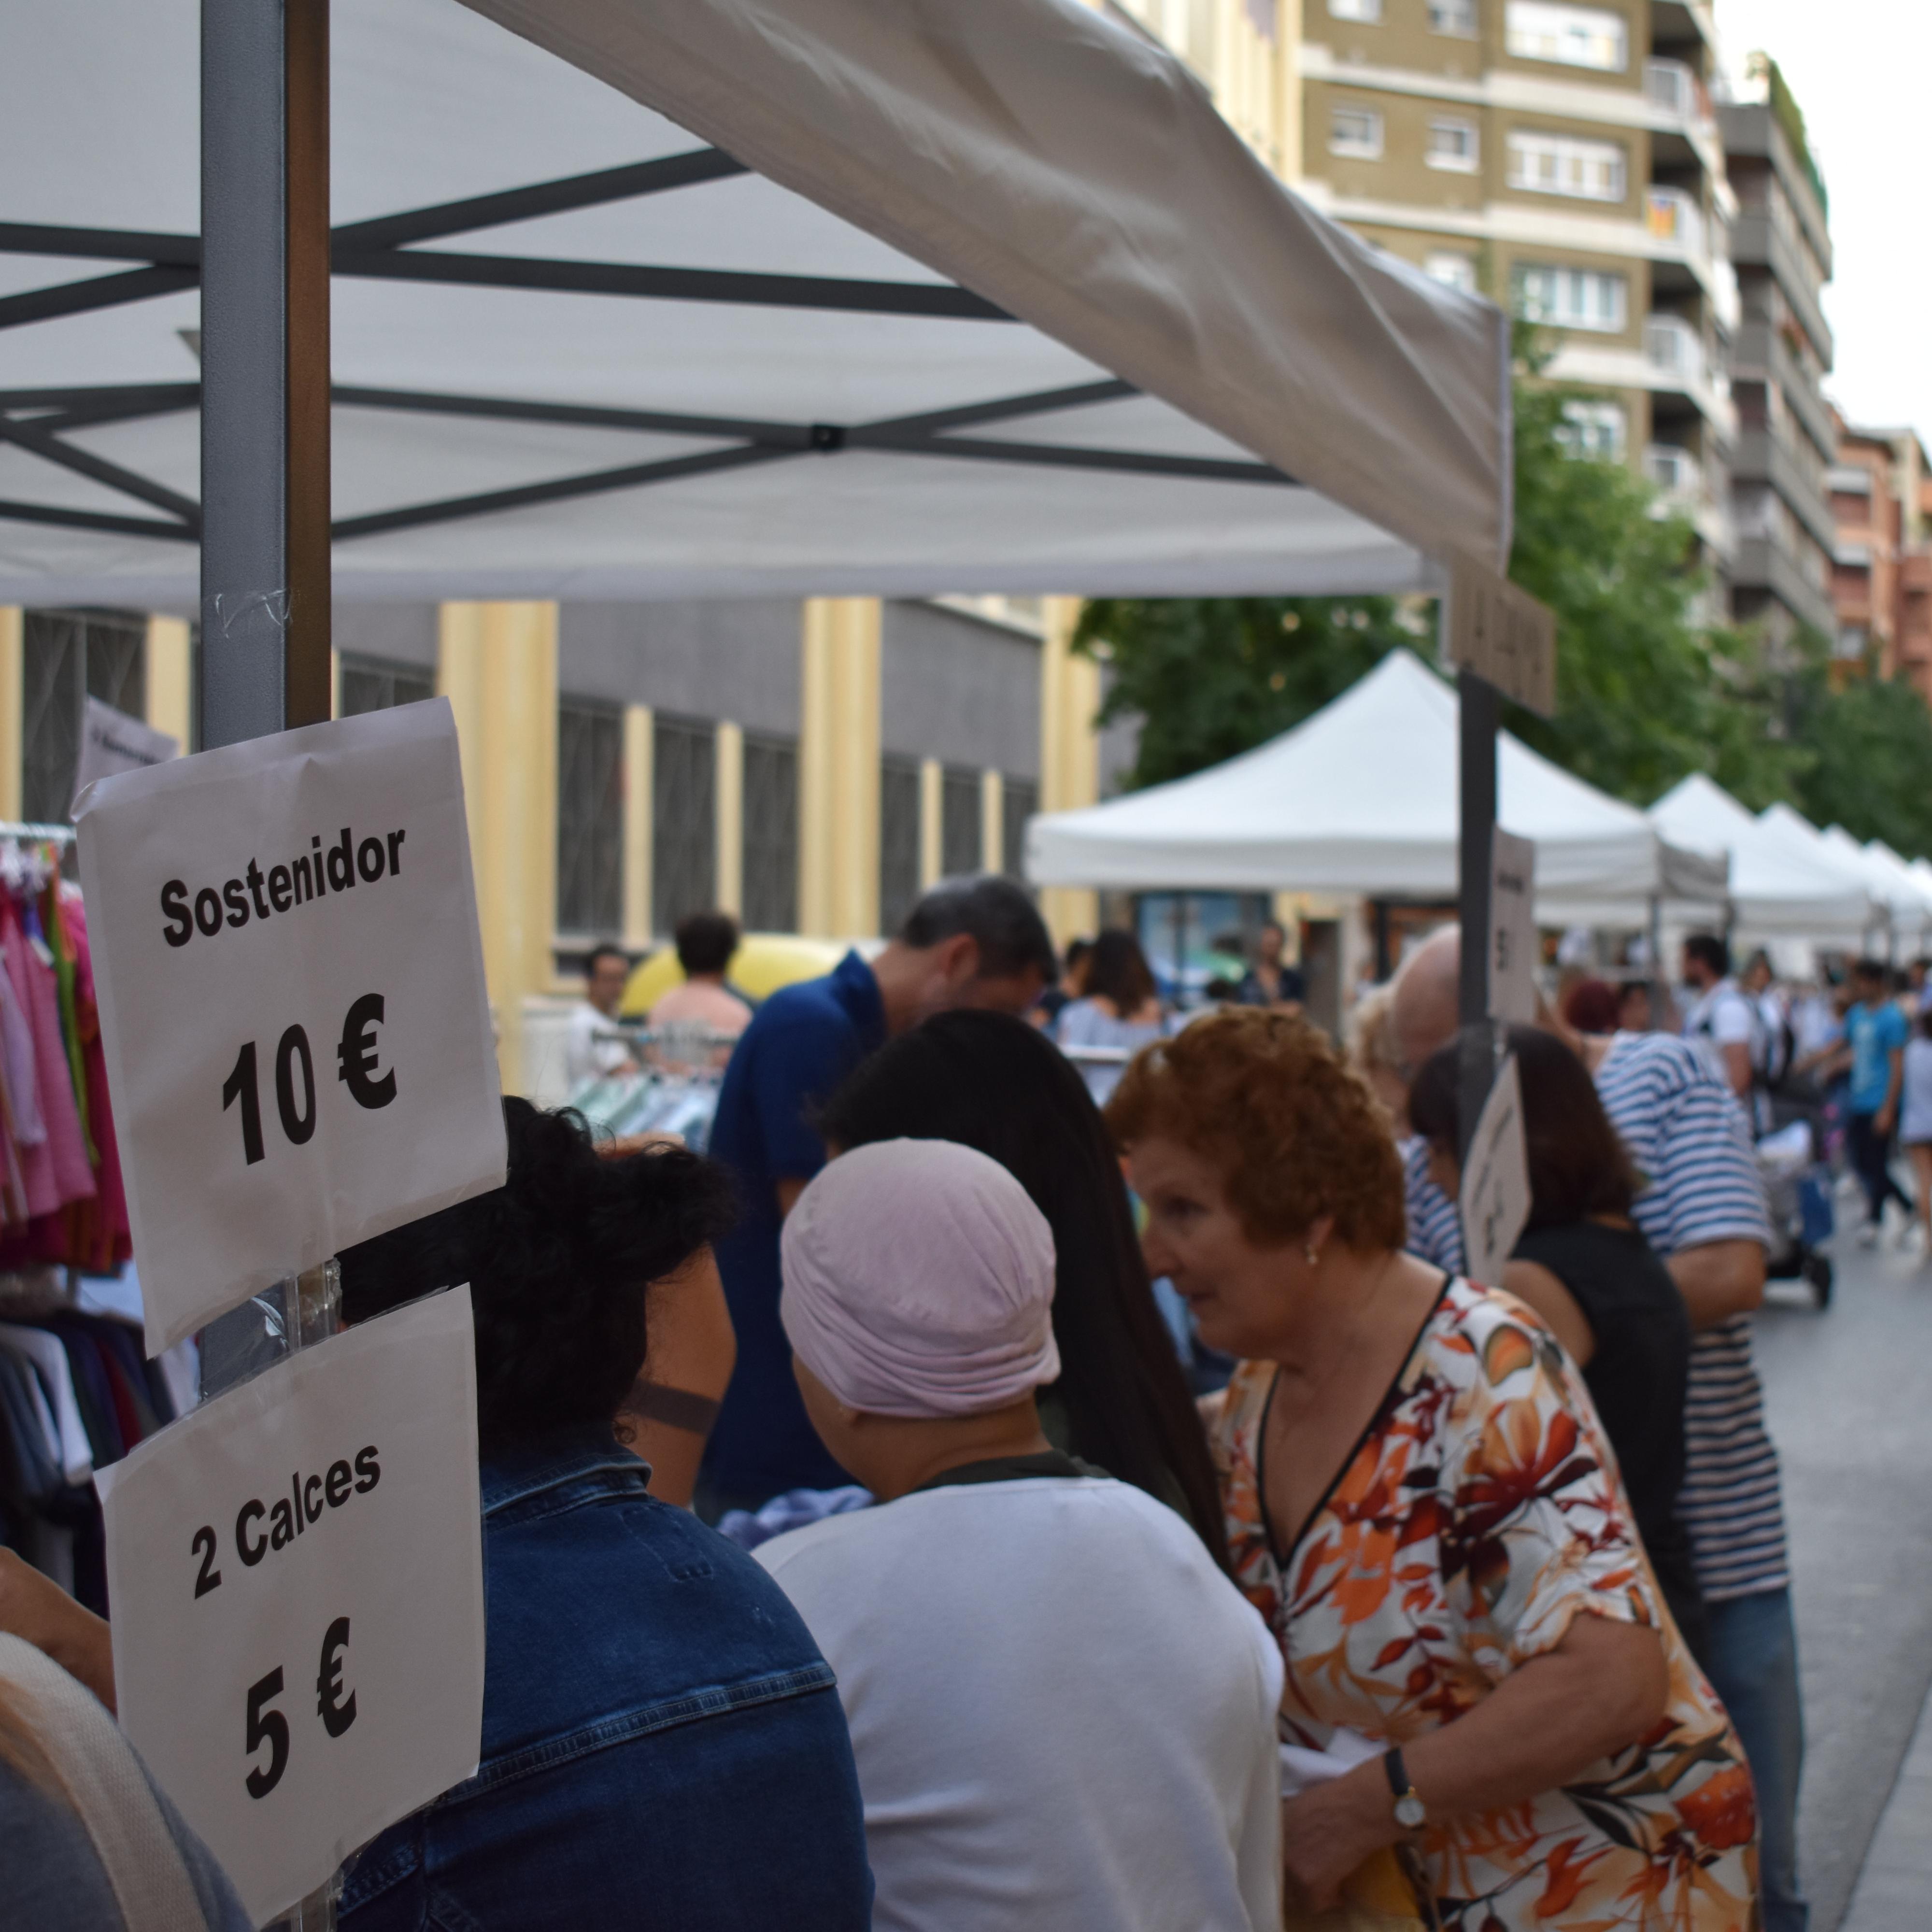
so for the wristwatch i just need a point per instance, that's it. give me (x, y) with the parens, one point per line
(1409, 1812)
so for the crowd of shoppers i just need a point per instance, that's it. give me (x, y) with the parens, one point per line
(1457, 1604)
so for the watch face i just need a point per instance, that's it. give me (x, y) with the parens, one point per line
(1409, 1814)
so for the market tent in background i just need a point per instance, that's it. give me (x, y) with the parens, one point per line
(1361, 797)
(1777, 891)
(1891, 883)
(740, 298)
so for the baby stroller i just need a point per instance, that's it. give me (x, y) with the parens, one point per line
(1798, 1186)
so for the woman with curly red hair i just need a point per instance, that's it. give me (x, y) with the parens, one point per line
(1421, 1503)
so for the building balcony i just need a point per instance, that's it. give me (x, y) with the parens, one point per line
(1762, 565)
(1758, 242)
(1686, 489)
(1760, 353)
(1675, 88)
(1672, 347)
(1671, 215)
(1763, 457)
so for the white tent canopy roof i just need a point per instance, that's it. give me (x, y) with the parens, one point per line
(683, 298)
(1362, 797)
(1777, 890)
(1887, 875)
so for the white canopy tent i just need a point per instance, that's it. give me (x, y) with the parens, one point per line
(1361, 798)
(1777, 890)
(1891, 882)
(771, 297)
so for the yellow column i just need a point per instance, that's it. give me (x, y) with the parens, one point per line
(12, 707)
(497, 664)
(171, 679)
(1070, 754)
(639, 744)
(838, 768)
(992, 822)
(728, 816)
(931, 823)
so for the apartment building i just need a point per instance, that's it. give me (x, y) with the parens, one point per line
(1881, 500)
(1564, 160)
(1781, 252)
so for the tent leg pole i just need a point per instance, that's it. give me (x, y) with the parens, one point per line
(1478, 711)
(264, 481)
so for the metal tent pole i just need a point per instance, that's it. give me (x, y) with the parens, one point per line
(1479, 708)
(265, 486)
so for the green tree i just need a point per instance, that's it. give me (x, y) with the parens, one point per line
(1868, 758)
(1207, 677)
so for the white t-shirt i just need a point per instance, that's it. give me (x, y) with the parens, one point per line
(585, 1053)
(1915, 1118)
(1063, 1714)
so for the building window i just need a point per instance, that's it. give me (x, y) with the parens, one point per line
(1357, 131)
(589, 816)
(1593, 429)
(1452, 144)
(1453, 270)
(1572, 297)
(684, 820)
(1561, 164)
(1019, 800)
(67, 657)
(961, 848)
(771, 834)
(376, 684)
(1539, 30)
(898, 841)
(1453, 16)
(1369, 10)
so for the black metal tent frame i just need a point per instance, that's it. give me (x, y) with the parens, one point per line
(36, 420)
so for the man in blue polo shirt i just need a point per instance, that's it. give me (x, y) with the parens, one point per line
(969, 942)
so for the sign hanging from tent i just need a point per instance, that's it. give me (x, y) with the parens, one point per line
(1503, 635)
(1494, 1198)
(296, 1573)
(111, 742)
(1512, 929)
(292, 1006)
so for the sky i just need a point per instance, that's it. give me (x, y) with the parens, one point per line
(1861, 71)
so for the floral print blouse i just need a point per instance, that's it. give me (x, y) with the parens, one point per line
(1480, 1513)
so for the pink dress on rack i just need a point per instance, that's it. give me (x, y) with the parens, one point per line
(38, 1172)
(67, 1149)
(111, 1215)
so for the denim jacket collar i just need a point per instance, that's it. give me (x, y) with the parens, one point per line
(534, 1463)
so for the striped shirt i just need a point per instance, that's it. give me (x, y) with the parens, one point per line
(1686, 1134)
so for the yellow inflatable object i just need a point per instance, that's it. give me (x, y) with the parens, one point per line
(764, 962)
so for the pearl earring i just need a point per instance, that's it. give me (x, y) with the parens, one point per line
(1313, 1253)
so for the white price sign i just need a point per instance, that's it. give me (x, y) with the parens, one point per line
(111, 742)
(1494, 1199)
(1512, 929)
(296, 1573)
(292, 1006)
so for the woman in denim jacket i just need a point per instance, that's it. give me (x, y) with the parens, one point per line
(662, 1741)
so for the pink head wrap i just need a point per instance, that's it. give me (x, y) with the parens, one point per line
(919, 1281)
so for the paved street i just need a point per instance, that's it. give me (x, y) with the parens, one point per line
(1850, 1395)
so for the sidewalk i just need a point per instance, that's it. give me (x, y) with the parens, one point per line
(1895, 1882)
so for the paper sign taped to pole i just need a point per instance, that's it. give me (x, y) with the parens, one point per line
(296, 1573)
(1513, 947)
(1494, 1200)
(111, 742)
(292, 1006)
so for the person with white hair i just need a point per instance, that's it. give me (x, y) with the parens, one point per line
(1063, 1712)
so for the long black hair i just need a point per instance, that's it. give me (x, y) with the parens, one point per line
(557, 1260)
(997, 1084)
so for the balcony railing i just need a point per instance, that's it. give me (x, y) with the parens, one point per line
(1673, 347)
(1674, 471)
(1675, 87)
(1671, 215)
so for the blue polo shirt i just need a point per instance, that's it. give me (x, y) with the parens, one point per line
(1876, 1032)
(803, 1041)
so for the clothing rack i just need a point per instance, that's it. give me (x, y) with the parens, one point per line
(52, 835)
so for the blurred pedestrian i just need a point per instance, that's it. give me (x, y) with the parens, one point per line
(1421, 1503)
(1118, 1011)
(703, 1006)
(1582, 1264)
(1704, 1213)
(1270, 981)
(1371, 1053)
(1062, 1710)
(1915, 1126)
(1054, 1000)
(593, 1049)
(987, 1082)
(1720, 1020)
(1637, 1008)
(969, 942)
(1875, 1032)
(1592, 1006)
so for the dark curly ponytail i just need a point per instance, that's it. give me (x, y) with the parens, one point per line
(557, 1260)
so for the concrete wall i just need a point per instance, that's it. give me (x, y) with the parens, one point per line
(959, 689)
(730, 658)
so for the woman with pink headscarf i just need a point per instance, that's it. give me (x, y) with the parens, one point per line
(1062, 1711)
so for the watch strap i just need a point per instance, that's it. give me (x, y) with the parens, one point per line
(1397, 1771)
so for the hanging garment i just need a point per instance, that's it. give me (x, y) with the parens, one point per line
(46, 1355)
